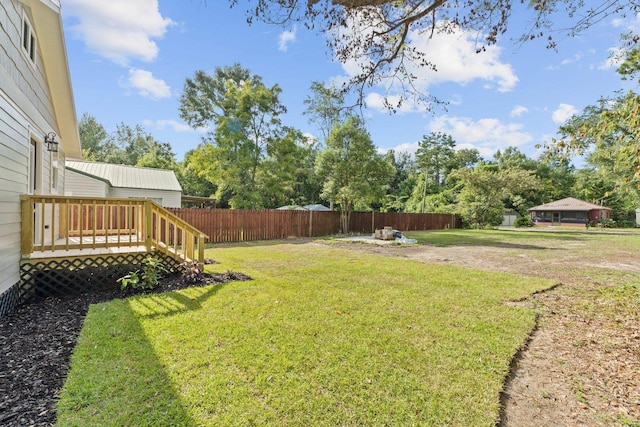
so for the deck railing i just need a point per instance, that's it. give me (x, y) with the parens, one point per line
(61, 223)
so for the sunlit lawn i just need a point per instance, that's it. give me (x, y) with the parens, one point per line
(320, 337)
(588, 245)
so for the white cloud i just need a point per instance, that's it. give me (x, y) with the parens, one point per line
(407, 147)
(455, 99)
(375, 101)
(146, 85)
(575, 58)
(630, 24)
(456, 60)
(287, 38)
(563, 113)
(518, 110)
(309, 138)
(120, 30)
(485, 135)
(615, 59)
(616, 54)
(174, 125)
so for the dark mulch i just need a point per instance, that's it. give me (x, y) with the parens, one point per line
(36, 344)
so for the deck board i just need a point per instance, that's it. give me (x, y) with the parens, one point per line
(92, 247)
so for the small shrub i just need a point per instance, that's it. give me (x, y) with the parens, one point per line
(606, 223)
(191, 271)
(145, 278)
(132, 279)
(523, 221)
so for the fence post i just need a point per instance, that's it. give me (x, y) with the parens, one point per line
(310, 223)
(373, 221)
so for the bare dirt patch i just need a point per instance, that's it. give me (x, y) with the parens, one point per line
(581, 366)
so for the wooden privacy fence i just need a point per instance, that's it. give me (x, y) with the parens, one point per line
(224, 225)
(368, 222)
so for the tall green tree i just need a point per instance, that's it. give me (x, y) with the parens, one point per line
(434, 155)
(402, 181)
(513, 158)
(245, 115)
(326, 107)
(194, 184)
(158, 155)
(354, 174)
(464, 158)
(97, 144)
(485, 187)
(136, 145)
(555, 176)
(287, 176)
(599, 187)
(128, 145)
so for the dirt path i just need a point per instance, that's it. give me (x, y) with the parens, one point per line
(581, 366)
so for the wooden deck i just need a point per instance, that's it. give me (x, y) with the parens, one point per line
(61, 227)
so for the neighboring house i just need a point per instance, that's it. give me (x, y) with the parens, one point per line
(36, 105)
(316, 207)
(109, 180)
(569, 211)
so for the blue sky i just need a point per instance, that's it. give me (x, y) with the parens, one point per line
(129, 59)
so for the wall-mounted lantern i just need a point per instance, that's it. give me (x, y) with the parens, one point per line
(52, 144)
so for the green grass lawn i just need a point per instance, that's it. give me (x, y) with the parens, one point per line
(320, 337)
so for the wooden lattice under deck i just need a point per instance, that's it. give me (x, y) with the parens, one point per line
(42, 278)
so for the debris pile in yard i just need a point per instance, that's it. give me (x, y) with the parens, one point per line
(388, 233)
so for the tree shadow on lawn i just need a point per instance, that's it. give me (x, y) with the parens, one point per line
(255, 243)
(171, 303)
(116, 378)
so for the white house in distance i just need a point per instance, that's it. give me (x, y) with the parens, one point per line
(95, 179)
(36, 109)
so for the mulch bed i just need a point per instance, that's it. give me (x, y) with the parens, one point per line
(36, 343)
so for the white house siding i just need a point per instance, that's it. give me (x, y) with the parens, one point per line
(26, 113)
(14, 160)
(169, 199)
(78, 184)
(29, 80)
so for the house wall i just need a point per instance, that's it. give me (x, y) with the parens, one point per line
(14, 161)
(29, 80)
(168, 199)
(26, 114)
(78, 184)
(596, 215)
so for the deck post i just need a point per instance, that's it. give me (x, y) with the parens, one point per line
(201, 250)
(64, 218)
(27, 225)
(148, 225)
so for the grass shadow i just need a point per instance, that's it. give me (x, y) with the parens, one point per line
(258, 243)
(172, 303)
(114, 366)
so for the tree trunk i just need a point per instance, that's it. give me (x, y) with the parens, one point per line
(424, 192)
(345, 216)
